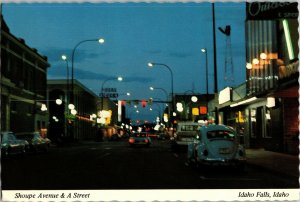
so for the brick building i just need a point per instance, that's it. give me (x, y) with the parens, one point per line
(23, 85)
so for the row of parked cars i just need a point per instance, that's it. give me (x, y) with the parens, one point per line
(21, 143)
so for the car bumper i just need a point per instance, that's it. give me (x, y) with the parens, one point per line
(139, 143)
(225, 162)
(183, 143)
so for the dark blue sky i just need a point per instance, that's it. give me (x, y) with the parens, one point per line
(135, 34)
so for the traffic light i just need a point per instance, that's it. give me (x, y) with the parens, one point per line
(144, 103)
(123, 102)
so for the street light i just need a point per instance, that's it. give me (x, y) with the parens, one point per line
(204, 50)
(64, 57)
(100, 40)
(150, 64)
(153, 88)
(119, 78)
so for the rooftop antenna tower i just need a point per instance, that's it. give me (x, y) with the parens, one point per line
(229, 70)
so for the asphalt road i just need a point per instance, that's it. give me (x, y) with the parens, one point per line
(115, 165)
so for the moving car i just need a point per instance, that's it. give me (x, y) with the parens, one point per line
(184, 135)
(217, 145)
(10, 144)
(139, 138)
(36, 142)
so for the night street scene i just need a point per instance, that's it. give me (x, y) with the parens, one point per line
(119, 101)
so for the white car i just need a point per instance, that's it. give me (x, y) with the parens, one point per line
(217, 145)
(184, 135)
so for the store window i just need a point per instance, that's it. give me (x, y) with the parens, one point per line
(253, 122)
(268, 125)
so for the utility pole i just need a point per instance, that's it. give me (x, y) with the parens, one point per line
(215, 66)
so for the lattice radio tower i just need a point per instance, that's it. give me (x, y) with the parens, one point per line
(229, 70)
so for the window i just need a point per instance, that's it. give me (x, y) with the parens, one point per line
(189, 128)
(268, 125)
(253, 122)
(220, 134)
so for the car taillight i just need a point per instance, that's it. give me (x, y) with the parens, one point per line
(146, 141)
(131, 140)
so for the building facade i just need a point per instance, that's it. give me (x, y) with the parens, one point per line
(272, 52)
(23, 85)
(266, 115)
(64, 125)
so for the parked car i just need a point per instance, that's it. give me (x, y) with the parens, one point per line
(36, 141)
(139, 138)
(10, 144)
(217, 145)
(184, 135)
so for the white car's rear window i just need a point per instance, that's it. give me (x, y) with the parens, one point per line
(223, 134)
(189, 128)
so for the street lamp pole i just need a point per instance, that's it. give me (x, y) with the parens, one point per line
(204, 50)
(172, 83)
(67, 99)
(153, 88)
(64, 57)
(101, 40)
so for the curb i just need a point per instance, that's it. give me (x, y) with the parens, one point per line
(249, 163)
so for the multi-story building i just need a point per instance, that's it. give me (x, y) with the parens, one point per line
(272, 57)
(23, 85)
(268, 109)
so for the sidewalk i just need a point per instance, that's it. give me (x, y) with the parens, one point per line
(274, 161)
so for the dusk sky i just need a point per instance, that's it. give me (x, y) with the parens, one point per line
(135, 34)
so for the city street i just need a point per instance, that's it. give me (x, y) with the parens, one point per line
(115, 165)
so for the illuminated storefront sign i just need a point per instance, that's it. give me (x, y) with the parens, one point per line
(225, 95)
(271, 10)
(203, 109)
